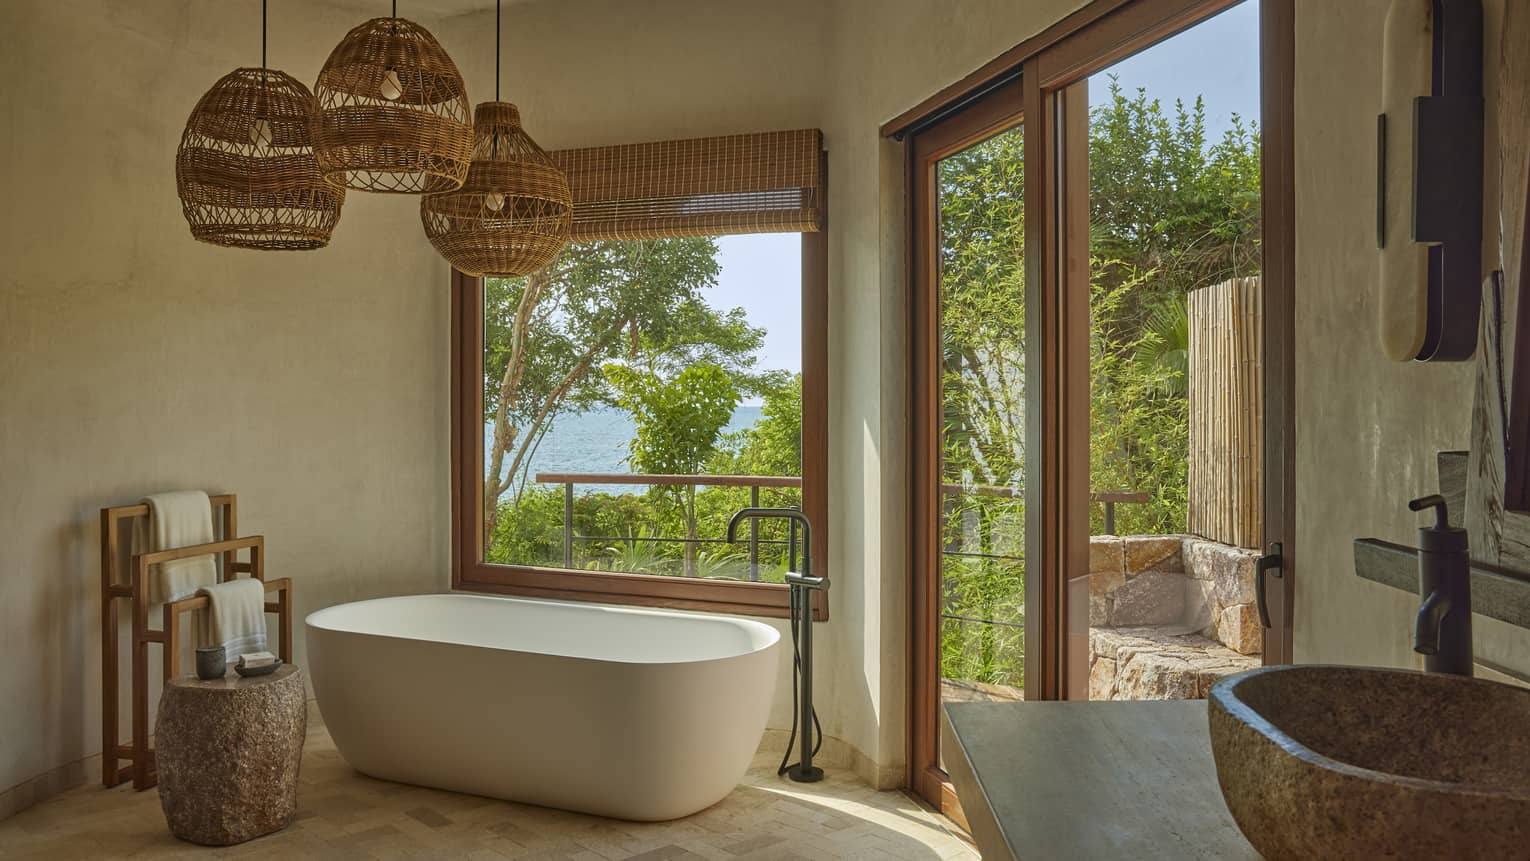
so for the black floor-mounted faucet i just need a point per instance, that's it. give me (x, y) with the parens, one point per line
(802, 586)
(1442, 632)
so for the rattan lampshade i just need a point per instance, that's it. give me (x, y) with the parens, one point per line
(245, 169)
(393, 112)
(512, 216)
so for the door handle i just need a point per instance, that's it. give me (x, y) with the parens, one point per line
(1270, 562)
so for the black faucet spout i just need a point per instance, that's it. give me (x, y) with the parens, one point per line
(791, 514)
(1428, 623)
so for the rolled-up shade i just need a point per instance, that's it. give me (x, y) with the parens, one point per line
(769, 182)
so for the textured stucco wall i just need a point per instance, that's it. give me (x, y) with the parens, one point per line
(133, 359)
(1367, 429)
(887, 57)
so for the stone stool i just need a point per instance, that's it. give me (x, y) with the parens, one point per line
(227, 752)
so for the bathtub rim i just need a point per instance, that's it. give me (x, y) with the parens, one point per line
(774, 636)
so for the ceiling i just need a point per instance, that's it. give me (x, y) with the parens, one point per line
(424, 8)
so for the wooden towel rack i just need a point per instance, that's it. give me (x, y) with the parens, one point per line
(132, 584)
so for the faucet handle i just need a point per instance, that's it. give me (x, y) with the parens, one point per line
(1437, 502)
(806, 582)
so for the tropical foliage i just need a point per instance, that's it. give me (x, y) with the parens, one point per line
(1170, 212)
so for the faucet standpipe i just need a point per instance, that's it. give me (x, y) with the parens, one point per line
(1442, 631)
(802, 586)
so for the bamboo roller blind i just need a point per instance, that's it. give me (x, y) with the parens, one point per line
(769, 182)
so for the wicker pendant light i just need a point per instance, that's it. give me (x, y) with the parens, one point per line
(512, 215)
(393, 111)
(245, 169)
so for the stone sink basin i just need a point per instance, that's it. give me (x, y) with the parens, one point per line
(1349, 762)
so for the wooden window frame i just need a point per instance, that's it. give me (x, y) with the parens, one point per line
(472, 574)
(1056, 255)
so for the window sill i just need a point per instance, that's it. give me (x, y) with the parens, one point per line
(771, 600)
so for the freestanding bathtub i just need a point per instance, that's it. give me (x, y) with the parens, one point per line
(628, 713)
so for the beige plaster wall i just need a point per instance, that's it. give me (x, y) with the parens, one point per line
(888, 56)
(1367, 429)
(133, 359)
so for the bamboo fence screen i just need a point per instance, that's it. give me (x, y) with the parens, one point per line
(1226, 370)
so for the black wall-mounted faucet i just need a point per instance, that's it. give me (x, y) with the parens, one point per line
(1442, 631)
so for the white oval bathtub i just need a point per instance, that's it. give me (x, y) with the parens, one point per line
(634, 714)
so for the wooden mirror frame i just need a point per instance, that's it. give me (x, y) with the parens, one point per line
(1516, 495)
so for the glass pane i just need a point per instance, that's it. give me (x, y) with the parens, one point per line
(1174, 205)
(636, 394)
(982, 333)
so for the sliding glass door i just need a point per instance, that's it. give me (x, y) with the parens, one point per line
(969, 187)
(1101, 364)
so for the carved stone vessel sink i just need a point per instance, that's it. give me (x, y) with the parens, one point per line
(1348, 762)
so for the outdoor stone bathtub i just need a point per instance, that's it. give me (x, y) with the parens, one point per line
(633, 714)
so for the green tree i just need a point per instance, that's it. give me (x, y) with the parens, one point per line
(679, 421)
(982, 294)
(773, 444)
(1169, 213)
(547, 335)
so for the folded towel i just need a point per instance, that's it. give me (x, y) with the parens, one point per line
(236, 619)
(256, 659)
(182, 518)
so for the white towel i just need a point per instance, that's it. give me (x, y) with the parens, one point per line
(236, 619)
(182, 518)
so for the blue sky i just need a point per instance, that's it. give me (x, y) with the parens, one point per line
(1217, 59)
(762, 273)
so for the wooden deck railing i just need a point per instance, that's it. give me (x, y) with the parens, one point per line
(755, 482)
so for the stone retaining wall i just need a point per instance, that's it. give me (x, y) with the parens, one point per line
(1168, 615)
(1175, 580)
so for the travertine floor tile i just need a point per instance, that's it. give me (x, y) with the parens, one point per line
(345, 815)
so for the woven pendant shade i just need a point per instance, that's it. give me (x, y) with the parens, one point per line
(245, 169)
(512, 215)
(393, 112)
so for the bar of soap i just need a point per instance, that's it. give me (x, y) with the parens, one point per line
(250, 660)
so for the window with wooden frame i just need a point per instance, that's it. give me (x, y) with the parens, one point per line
(612, 411)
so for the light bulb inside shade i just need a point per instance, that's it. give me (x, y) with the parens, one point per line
(391, 87)
(260, 134)
(494, 201)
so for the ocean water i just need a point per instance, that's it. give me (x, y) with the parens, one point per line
(597, 441)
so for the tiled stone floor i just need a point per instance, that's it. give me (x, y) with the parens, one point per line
(344, 815)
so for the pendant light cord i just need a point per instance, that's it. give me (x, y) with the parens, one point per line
(496, 49)
(262, 35)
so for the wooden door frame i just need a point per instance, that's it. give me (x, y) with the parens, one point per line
(1057, 381)
(999, 110)
(1277, 195)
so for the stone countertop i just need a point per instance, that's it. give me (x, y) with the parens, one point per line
(1090, 780)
